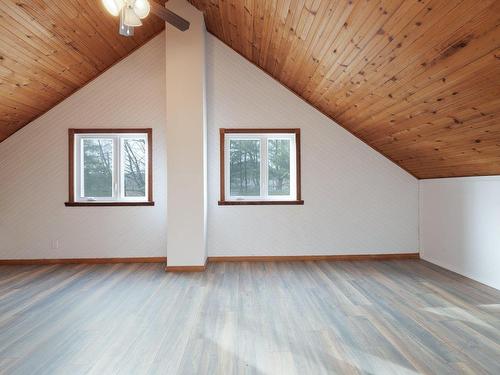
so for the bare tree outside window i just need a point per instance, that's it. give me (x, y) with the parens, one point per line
(98, 170)
(134, 153)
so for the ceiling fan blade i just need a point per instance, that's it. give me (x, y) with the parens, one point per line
(169, 16)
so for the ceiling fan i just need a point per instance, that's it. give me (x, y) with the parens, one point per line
(132, 11)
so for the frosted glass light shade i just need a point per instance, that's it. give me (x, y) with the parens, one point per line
(113, 6)
(131, 18)
(124, 29)
(141, 8)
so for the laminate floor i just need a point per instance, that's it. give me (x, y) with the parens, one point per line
(394, 317)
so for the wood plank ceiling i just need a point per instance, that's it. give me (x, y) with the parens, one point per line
(418, 80)
(50, 48)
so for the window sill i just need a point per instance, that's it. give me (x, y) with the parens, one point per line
(257, 203)
(107, 204)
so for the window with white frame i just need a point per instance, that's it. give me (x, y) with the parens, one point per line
(260, 166)
(110, 167)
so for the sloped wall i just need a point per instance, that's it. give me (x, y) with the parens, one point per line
(356, 200)
(34, 223)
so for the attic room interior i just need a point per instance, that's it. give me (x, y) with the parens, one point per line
(250, 187)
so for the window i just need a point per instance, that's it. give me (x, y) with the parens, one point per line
(260, 166)
(110, 167)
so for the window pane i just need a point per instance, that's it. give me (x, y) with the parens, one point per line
(98, 167)
(134, 164)
(278, 166)
(244, 167)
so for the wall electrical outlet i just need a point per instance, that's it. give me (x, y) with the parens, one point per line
(55, 244)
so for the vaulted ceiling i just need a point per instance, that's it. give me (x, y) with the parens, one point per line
(418, 80)
(50, 48)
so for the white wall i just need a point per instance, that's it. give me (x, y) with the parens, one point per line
(186, 139)
(460, 226)
(356, 201)
(34, 170)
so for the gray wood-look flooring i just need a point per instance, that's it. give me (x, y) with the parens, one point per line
(394, 317)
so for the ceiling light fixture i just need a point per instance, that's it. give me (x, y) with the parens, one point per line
(130, 11)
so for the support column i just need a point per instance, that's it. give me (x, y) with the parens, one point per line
(186, 141)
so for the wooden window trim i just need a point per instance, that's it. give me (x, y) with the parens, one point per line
(71, 167)
(224, 202)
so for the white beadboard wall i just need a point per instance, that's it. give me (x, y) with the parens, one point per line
(34, 223)
(356, 200)
(460, 226)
